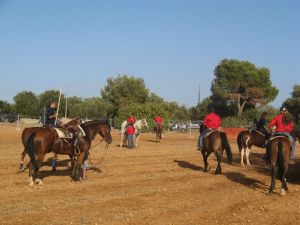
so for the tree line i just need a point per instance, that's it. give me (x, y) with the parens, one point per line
(240, 91)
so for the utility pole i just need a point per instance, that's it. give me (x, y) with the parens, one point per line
(66, 107)
(198, 105)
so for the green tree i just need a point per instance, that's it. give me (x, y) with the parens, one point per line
(293, 103)
(75, 107)
(240, 83)
(95, 108)
(27, 103)
(5, 107)
(124, 90)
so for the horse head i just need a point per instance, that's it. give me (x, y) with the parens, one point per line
(104, 132)
(98, 126)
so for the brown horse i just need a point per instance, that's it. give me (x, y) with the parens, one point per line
(46, 140)
(247, 138)
(158, 129)
(212, 143)
(26, 133)
(279, 150)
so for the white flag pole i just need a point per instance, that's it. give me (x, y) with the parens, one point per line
(58, 106)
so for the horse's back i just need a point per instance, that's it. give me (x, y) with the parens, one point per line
(214, 141)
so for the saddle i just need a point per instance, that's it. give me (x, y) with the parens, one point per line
(62, 133)
(208, 133)
(258, 131)
(276, 136)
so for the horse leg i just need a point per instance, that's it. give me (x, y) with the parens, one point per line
(30, 172)
(40, 160)
(242, 156)
(218, 154)
(247, 156)
(205, 156)
(121, 143)
(78, 165)
(137, 140)
(21, 165)
(273, 169)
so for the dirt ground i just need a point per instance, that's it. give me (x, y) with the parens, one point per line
(157, 183)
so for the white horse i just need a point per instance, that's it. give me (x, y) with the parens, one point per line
(138, 125)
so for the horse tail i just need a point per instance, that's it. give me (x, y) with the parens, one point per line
(239, 141)
(226, 146)
(30, 149)
(281, 169)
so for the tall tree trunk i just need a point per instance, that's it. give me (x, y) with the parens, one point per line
(240, 106)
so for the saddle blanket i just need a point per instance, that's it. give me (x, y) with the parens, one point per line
(63, 133)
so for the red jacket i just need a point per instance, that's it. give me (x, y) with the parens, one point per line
(130, 130)
(280, 127)
(131, 119)
(212, 121)
(158, 119)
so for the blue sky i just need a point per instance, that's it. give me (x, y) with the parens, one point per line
(173, 44)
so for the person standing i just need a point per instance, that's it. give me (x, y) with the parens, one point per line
(130, 135)
(211, 122)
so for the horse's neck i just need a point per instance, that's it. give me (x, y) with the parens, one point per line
(91, 132)
(138, 125)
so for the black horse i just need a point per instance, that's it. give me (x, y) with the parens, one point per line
(46, 140)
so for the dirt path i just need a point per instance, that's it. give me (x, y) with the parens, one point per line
(158, 183)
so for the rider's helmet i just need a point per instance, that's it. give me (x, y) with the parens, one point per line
(283, 109)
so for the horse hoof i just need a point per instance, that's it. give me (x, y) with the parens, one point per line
(271, 191)
(282, 192)
(39, 182)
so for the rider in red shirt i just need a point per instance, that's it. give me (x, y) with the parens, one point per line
(158, 119)
(283, 129)
(212, 122)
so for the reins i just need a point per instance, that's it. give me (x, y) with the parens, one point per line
(102, 156)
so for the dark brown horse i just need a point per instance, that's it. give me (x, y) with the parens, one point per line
(212, 143)
(247, 138)
(158, 129)
(279, 150)
(46, 140)
(26, 133)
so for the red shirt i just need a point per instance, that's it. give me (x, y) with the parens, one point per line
(212, 121)
(280, 127)
(131, 119)
(130, 130)
(158, 119)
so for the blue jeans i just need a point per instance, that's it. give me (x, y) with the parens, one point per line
(130, 141)
(200, 139)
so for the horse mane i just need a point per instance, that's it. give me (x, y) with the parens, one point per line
(92, 122)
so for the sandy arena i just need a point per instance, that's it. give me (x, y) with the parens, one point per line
(157, 183)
